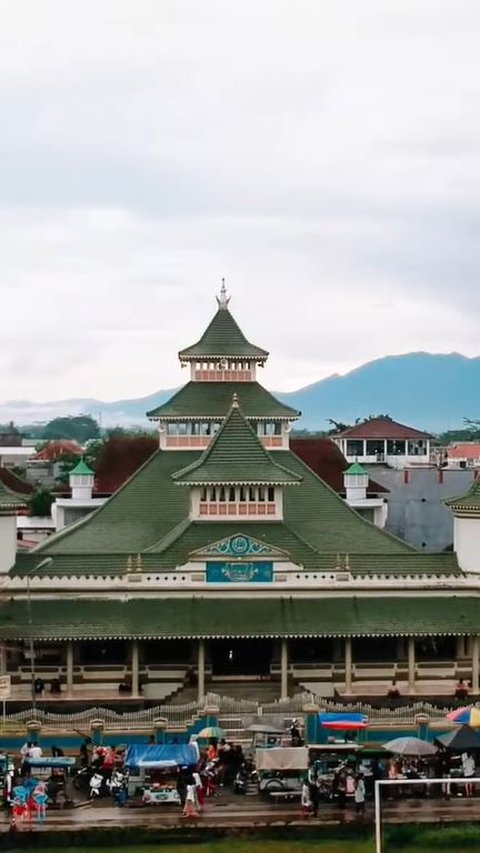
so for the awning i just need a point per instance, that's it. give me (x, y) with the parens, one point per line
(162, 755)
(222, 617)
(282, 758)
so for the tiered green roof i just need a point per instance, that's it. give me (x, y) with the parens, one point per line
(149, 516)
(468, 504)
(235, 456)
(10, 501)
(223, 338)
(147, 520)
(212, 400)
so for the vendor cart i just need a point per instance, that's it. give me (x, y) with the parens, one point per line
(55, 772)
(281, 768)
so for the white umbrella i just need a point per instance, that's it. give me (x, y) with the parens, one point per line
(410, 746)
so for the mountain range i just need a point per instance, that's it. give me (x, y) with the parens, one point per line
(429, 391)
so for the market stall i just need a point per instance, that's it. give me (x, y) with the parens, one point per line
(154, 769)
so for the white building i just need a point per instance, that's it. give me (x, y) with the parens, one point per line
(383, 440)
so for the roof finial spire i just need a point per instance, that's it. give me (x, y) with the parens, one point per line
(235, 400)
(223, 299)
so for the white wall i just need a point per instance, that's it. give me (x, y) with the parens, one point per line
(466, 543)
(8, 542)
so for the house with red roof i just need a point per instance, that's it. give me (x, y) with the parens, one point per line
(464, 454)
(351, 481)
(46, 465)
(385, 441)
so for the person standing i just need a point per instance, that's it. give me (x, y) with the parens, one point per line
(305, 801)
(191, 807)
(468, 765)
(359, 794)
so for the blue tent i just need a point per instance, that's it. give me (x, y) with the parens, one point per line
(343, 721)
(158, 755)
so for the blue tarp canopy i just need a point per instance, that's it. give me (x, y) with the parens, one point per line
(343, 721)
(158, 755)
(60, 761)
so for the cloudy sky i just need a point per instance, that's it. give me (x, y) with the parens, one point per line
(323, 157)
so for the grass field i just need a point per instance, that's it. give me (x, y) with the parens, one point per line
(253, 846)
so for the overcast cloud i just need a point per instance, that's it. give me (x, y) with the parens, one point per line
(323, 157)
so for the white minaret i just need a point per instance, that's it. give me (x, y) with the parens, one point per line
(81, 482)
(355, 480)
(466, 528)
(10, 503)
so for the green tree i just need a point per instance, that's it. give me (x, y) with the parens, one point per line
(79, 428)
(40, 502)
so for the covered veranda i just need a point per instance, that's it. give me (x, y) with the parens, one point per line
(154, 648)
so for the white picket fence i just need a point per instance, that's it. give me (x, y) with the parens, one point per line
(224, 707)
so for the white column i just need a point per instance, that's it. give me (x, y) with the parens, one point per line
(411, 664)
(459, 647)
(69, 668)
(475, 646)
(135, 669)
(201, 670)
(284, 670)
(348, 665)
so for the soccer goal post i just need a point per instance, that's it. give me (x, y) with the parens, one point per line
(383, 783)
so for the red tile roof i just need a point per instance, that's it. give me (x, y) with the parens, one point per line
(16, 484)
(382, 428)
(56, 449)
(119, 459)
(327, 461)
(464, 450)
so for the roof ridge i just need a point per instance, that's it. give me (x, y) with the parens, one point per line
(170, 537)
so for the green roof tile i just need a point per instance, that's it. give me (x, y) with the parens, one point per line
(235, 455)
(172, 617)
(82, 468)
(10, 501)
(212, 400)
(223, 337)
(149, 515)
(356, 468)
(468, 504)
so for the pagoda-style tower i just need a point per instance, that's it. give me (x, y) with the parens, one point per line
(222, 363)
(236, 477)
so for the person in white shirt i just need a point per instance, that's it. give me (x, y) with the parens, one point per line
(35, 751)
(360, 793)
(468, 764)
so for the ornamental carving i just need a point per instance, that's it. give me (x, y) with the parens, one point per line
(239, 546)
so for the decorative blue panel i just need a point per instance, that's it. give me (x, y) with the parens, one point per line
(239, 572)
